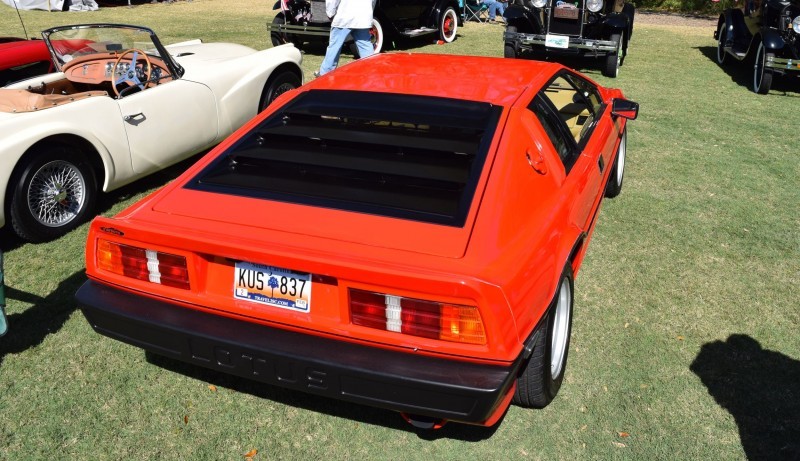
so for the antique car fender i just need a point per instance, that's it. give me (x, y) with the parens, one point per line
(523, 19)
(737, 29)
(772, 39)
(437, 11)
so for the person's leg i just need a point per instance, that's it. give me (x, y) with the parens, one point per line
(492, 9)
(337, 38)
(363, 42)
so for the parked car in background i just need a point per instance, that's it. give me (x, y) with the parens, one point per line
(766, 32)
(119, 106)
(406, 243)
(549, 29)
(21, 59)
(301, 21)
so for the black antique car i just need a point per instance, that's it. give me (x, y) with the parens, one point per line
(302, 21)
(543, 29)
(769, 32)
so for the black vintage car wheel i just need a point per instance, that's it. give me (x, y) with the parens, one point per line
(510, 51)
(448, 25)
(541, 377)
(278, 84)
(613, 59)
(277, 37)
(721, 54)
(54, 193)
(762, 75)
(614, 184)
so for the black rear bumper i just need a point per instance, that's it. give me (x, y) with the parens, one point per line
(435, 387)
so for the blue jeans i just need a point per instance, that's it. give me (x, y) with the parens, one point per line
(338, 36)
(495, 7)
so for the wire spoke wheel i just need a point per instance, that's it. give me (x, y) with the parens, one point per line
(56, 193)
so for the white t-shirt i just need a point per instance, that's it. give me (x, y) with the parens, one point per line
(350, 14)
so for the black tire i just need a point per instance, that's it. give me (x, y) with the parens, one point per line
(278, 84)
(376, 31)
(762, 76)
(722, 55)
(277, 37)
(54, 192)
(542, 375)
(448, 25)
(613, 59)
(510, 51)
(614, 184)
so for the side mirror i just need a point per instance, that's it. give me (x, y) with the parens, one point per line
(624, 108)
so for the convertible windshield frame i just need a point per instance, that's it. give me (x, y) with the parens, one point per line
(67, 43)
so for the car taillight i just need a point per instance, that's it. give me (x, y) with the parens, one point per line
(143, 264)
(448, 322)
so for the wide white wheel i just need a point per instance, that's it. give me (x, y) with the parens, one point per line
(721, 33)
(762, 75)
(448, 25)
(614, 184)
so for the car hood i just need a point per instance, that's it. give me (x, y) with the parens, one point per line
(193, 54)
(15, 52)
(289, 223)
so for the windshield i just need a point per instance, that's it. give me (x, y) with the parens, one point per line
(72, 42)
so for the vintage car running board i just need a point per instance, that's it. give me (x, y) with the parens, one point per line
(418, 32)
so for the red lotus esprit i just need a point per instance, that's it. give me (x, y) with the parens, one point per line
(394, 234)
(21, 59)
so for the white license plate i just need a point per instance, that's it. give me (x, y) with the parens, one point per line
(556, 41)
(272, 286)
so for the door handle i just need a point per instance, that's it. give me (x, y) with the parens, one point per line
(130, 117)
(536, 162)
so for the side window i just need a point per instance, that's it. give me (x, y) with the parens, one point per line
(577, 103)
(556, 131)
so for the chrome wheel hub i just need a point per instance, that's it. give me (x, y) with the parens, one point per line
(560, 335)
(56, 193)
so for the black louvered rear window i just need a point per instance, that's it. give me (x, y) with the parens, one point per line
(410, 157)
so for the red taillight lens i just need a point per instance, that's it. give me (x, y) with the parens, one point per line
(417, 317)
(143, 264)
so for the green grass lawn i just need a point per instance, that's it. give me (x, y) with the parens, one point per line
(685, 343)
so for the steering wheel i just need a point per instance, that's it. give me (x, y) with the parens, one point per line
(131, 77)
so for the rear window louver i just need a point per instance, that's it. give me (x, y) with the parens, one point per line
(402, 156)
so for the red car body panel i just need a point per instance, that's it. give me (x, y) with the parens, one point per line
(528, 219)
(17, 52)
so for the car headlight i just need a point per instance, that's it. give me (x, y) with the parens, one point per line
(796, 25)
(539, 3)
(594, 5)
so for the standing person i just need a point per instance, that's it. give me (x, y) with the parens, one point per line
(350, 17)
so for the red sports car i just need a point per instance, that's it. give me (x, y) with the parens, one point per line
(21, 59)
(393, 234)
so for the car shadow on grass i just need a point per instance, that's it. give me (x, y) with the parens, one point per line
(46, 315)
(761, 390)
(741, 73)
(352, 411)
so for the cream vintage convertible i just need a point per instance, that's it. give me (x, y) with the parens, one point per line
(121, 106)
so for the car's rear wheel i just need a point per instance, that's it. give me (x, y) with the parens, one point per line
(614, 184)
(54, 193)
(613, 59)
(278, 84)
(541, 377)
(448, 25)
(762, 75)
(721, 53)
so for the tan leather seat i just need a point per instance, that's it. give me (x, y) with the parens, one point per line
(16, 101)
